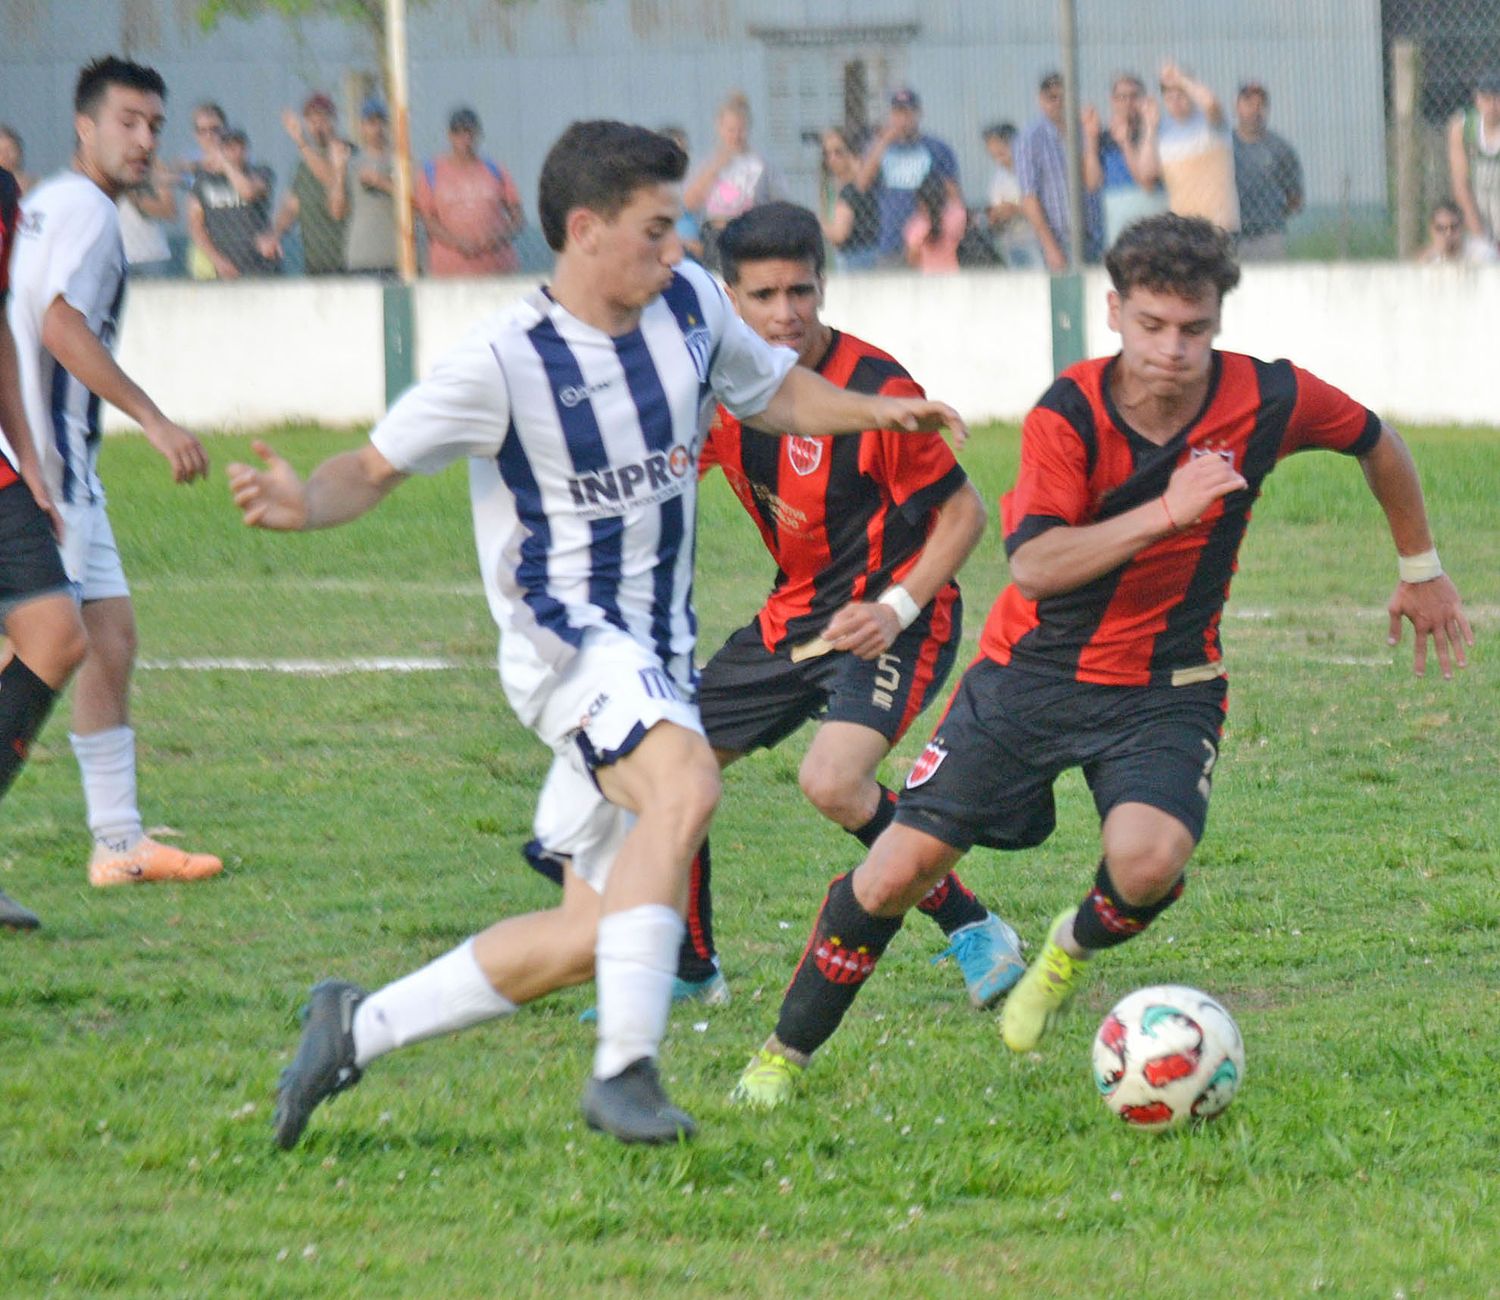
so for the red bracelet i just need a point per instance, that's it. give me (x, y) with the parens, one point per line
(1166, 510)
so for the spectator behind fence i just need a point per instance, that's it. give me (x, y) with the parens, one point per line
(1120, 163)
(689, 229)
(229, 209)
(1015, 241)
(144, 214)
(1474, 159)
(470, 206)
(1042, 170)
(318, 200)
(734, 180)
(894, 167)
(208, 125)
(370, 236)
(935, 227)
(1267, 178)
(853, 228)
(13, 158)
(1196, 151)
(1448, 243)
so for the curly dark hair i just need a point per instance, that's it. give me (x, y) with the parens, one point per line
(1172, 254)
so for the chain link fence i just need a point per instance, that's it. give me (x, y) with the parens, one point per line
(926, 135)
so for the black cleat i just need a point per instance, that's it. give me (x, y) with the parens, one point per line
(634, 1107)
(324, 1063)
(15, 917)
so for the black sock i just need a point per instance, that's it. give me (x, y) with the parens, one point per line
(884, 811)
(543, 861)
(695, 959)
(1103, 921)
(845, 945)
(25, 701)
(952, 905)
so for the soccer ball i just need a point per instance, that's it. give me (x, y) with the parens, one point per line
(1166, 1055)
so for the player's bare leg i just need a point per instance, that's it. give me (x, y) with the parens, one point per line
(670, 781)
(1139, 877)
(104, 744)
(45, 644)
(838, 778)
(859, 918)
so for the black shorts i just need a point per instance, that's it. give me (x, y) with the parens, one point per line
(986, 775)
(753, 698)
(30, 565)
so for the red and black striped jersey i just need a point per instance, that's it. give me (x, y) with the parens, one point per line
(844, 517)
(10, 211)
(1157, 615)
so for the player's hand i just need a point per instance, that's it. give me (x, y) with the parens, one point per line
(1194, 487)
(1435, 611)
(274, 497)
(184, 453)
(43, 499)
(865, 628)
(919, 415)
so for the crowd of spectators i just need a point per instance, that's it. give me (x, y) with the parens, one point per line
(891, 195)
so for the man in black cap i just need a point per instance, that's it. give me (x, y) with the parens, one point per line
(899, 160)
(1268, 176)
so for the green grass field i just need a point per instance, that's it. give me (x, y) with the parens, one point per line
(1343, 905)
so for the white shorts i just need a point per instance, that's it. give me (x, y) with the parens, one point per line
(89, 553)
(610, 696)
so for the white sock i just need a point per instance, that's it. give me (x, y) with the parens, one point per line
(635, 961)
(443, 997)
(106, 760)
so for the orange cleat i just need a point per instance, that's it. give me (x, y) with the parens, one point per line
(148, 861)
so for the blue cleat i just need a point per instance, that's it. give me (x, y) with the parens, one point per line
(988, 952)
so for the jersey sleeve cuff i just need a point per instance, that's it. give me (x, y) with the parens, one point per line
(919, 504)
(1368, 437)
(1029, 527)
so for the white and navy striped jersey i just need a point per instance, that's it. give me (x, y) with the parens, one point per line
(68, 246)
(583, 465)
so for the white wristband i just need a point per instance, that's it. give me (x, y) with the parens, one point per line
(899, 599)
(1419, 568)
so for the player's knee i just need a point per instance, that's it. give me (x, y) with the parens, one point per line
(895, 877)
(832, 791)
(692, 794)
(1144, 871)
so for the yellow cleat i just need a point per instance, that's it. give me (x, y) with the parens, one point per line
(768, 1081)
(149, 861)
(1042, 993)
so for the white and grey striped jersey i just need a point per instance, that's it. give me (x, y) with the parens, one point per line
(67, 246)
(583, 465)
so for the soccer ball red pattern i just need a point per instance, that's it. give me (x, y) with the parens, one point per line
(1166, 1055)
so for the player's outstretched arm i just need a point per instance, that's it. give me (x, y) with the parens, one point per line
(66, 335)
(342, 488)
(1425, 595)
(808, 404)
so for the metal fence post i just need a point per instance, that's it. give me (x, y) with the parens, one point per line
(400, 340)
(1068, 343)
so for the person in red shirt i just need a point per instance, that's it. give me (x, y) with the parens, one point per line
(38, 615)
(862, 623)
(1138, 473)
(470, 206)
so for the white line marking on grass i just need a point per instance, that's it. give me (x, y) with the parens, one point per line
(305, 667)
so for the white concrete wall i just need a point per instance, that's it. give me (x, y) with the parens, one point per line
(256, 353)
(1415, 343)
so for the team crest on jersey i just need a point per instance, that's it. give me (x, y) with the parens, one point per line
(1226, 454)
(805, 454)
(928, 762)
(699, 345)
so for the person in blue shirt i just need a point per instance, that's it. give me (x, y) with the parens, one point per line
(898, 161)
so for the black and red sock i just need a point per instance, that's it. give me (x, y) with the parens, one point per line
(846, 943)
(25, 702)
(1104, 920)
(952, 905)
(697, 959)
